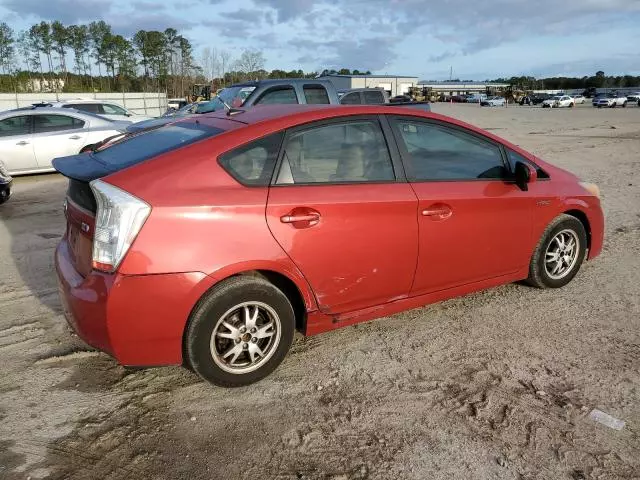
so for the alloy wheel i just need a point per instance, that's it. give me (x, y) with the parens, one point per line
(562, 254)
(245, 337)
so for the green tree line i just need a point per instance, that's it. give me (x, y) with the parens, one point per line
(36, 59)
(599, 80)
(51, 56)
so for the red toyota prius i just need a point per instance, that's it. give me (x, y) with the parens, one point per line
(209, 241)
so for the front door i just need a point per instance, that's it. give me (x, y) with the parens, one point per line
(341, 215)
(474, 222)
(16, 147)
(57, 135)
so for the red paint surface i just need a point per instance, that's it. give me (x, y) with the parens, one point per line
(370, 253)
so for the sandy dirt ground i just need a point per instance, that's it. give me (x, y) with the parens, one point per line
(497, 385)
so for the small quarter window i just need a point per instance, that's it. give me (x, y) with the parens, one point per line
(253, 163)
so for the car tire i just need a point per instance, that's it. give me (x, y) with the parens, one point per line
(231, 358)
(624, 105)
(5, 195)
(551, 266)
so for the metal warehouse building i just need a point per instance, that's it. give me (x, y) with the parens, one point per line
(393, 84)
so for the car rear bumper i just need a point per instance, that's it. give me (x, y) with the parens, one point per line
(137, 319)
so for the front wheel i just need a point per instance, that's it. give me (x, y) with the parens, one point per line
(559, 253)
(239, 332)
(624, 105)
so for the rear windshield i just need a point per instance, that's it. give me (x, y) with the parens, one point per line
(142, 146)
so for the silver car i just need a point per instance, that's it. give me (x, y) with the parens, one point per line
(30, 138)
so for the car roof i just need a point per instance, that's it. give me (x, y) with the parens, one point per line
(271, 81)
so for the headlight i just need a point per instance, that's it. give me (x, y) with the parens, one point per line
(119, 218)
(592, 188)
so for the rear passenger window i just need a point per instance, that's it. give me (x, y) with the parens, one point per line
(438, 152)
(278, 95)
(253, 164)
(336, 153)
(351, 99)
(373, 97)
(315, 94)
(55, 123)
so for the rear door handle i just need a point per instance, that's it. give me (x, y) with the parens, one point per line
(438, 211)
(310, 217)
(75, 137)
(22, 142)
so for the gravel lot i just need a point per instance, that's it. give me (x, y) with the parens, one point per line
(494, 385)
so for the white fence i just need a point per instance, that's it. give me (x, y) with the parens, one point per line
(152, 104)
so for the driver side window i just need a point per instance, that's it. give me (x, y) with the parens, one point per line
(435, 152)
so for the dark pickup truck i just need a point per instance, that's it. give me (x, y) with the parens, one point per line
(264, 92)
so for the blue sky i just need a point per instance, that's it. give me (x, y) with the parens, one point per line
(421, 38)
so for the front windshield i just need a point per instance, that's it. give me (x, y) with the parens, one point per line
(232, 96)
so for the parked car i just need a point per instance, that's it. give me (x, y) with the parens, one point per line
(558, 101)
(109, 110)
(459, 99)
(493, 102)
(5, 183)
(610, 100)
(578, 99)
(378, 96)
(633, 97)
(590, 92)
(476, 98)
(31, 137)
(400, 99)
(331, 216)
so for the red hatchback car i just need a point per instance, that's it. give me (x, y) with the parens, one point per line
(209, 241)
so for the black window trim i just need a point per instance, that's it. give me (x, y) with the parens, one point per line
(390, 142)
(269, 181)
(537, 167)
(404, 154)
(275, 88)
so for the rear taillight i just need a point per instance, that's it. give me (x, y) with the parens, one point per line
(119, 218)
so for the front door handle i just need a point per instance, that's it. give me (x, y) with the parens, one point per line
(438, 211)
(301, 217)
(22, 142)
(75, 137)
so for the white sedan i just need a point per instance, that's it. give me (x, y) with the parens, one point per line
(558, 101)
(578, 99)
(30, 138)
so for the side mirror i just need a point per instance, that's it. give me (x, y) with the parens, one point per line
(524, 175)
(128, 114)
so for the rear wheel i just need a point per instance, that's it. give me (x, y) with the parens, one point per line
(624, 105)
(4, 195)
(559, 253)
(239, 332)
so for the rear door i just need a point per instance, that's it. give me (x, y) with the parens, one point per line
(474, 222)
(16, 145)
(57, 135)
(342, 211)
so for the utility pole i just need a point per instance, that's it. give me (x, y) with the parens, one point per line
(450, 72)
